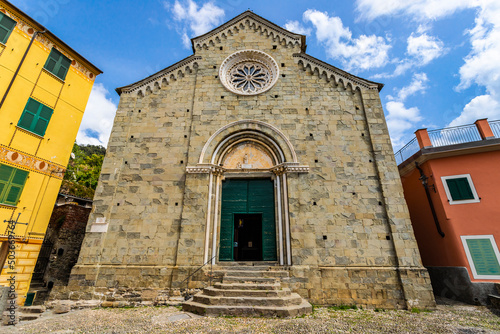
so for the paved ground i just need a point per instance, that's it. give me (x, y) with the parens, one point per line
(455, 318)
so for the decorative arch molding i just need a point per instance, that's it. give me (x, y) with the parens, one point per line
(258, 128)
(251, 21)
(277, 159)
(260, 132)
(331, 73)
(162, 78)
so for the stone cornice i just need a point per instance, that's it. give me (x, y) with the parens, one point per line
(249, 19)
(163, 77)
(334, 73)
(286, 167)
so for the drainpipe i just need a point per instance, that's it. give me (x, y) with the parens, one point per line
(19, 66)
(424, 179)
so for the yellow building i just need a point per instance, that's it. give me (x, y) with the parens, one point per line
(44, 88)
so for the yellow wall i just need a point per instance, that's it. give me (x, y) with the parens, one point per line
(44, 157)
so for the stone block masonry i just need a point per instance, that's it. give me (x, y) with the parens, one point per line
(341, 223)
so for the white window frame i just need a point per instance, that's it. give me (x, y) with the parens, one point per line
(469, 256)
(471, 184)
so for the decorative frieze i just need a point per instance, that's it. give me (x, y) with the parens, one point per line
(282, 168)
(248, 20)
(332, 73)
(31, 163)
(161, 78)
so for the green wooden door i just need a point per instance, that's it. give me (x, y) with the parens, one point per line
(247, 196)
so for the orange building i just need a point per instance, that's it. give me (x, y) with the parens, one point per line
(451, 181)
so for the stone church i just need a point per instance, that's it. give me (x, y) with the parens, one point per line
(250, 152)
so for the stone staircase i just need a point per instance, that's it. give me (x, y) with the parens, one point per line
(248, 290)
(495, 299)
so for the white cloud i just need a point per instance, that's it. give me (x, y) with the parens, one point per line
(483, 106)
(361, 53)
(421, 50)
(195, 19)
(420, 10)
(296, 27)
(399, 120)
(418, 84)
(424, 48)
(481, 66)
(98, 118)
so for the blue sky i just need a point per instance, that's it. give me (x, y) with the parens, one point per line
(439, 60)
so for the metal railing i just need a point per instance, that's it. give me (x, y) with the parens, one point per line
(454, 135)
(495, 127)
(186, 294)
(407, 151)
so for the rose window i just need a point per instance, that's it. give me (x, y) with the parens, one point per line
(249, 72)
(249, 77)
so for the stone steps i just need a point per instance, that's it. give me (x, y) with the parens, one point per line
(254, 273)
(293, 299)
(28, 313)
(247, 286)
(248, 290)
(495, 299)
(218, 292)
(248, 311)
(243, 279)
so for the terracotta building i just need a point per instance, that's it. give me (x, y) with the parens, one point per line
(251, 152)
(451, 183)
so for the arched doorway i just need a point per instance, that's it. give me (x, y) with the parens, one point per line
(247, 206)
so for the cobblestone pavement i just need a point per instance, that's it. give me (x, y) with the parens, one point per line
(445, 319)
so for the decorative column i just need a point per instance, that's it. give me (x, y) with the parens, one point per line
(218, 172)
(279, 192)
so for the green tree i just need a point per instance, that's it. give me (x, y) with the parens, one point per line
(84, 168)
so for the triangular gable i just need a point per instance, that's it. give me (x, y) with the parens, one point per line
(251, 19)
(255, 21)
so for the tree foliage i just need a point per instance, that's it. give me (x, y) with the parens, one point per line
(83, 170)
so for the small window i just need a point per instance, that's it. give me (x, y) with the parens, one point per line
(57, 64)
(6, 26)
(460, 189)
(483, 256)
(11, 184)
(35, 117)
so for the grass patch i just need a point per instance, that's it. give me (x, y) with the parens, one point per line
(342, 307)
(418, 310)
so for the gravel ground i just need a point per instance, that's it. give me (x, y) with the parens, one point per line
(445, 319)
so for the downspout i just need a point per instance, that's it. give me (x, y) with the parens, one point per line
(424, 179)
(19, 66)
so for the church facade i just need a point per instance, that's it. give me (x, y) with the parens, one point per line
(250, 150)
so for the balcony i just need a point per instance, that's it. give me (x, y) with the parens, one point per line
(480, 130)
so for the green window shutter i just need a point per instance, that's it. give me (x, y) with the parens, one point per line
(64, 67)
(12, 181)
(57, 64)
(5, 174)
(36, 117)
(460, 189)
(483, 256)
(6, 26)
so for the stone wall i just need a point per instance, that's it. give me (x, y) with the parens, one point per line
(350, 228)
(66, 230)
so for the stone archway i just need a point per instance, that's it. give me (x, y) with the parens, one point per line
(248, 150)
